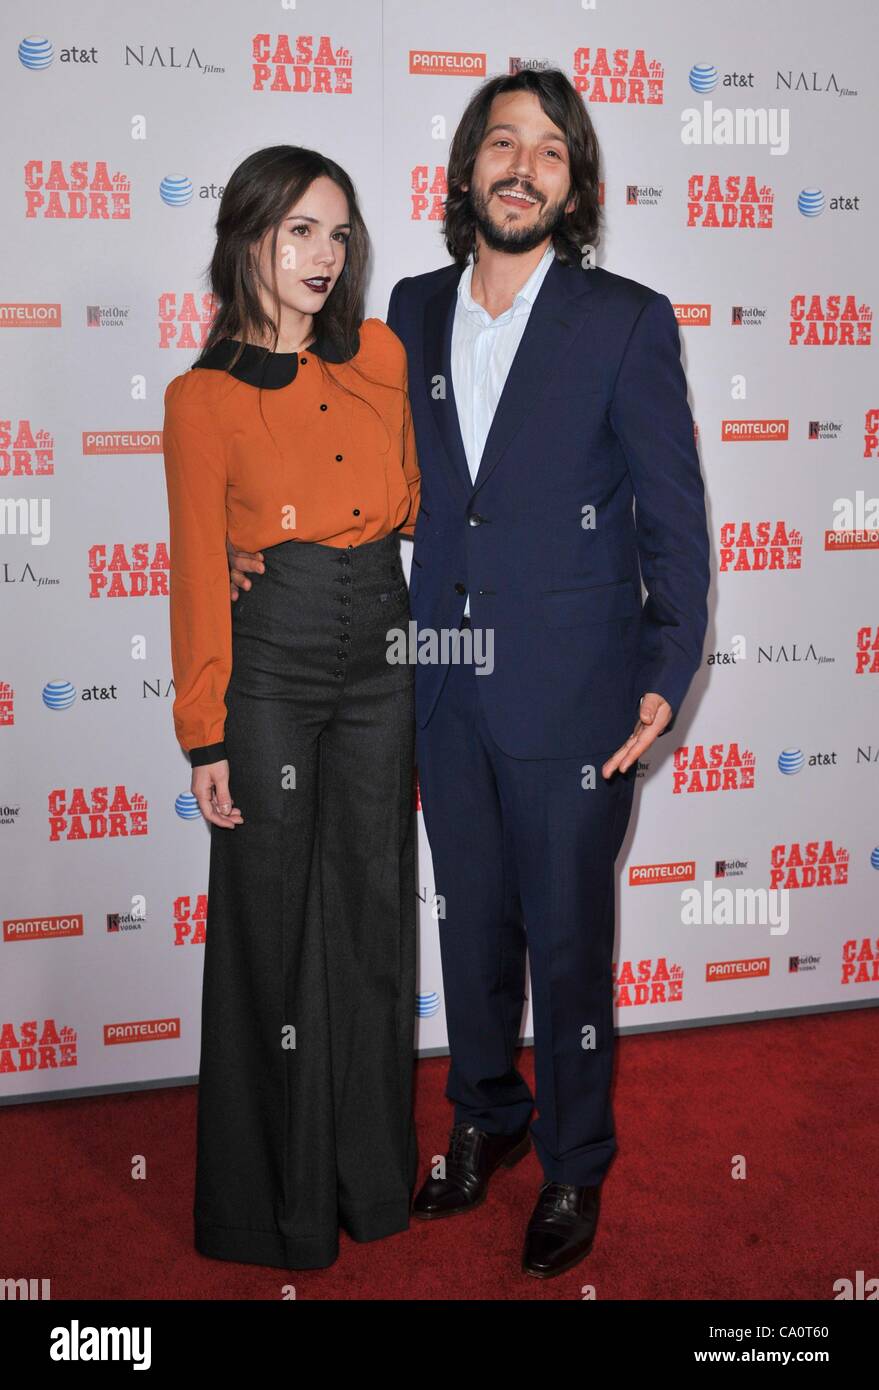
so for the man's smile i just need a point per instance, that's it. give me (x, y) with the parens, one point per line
(514, 196)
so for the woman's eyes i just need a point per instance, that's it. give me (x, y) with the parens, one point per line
(304, 227)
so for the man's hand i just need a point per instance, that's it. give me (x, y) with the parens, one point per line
(241, 563)
(653, 716)
(210, 787)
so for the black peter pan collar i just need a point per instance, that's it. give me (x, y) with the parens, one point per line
(270, 370)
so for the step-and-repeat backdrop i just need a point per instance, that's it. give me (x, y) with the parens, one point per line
(738, 147)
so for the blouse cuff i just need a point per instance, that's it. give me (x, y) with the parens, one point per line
(207, 753)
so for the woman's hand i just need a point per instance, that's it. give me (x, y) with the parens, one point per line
(210, 787)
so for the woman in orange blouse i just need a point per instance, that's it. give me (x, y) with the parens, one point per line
(292, 434)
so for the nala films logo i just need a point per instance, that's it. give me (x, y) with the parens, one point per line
(793, 81)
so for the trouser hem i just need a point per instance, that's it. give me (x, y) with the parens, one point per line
(586, 1169)
(248, 1246)
(256, 1247)
(365, 1223)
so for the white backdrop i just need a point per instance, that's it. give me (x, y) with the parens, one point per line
(738, 157)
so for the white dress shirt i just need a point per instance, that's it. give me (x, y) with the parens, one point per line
(483, 349)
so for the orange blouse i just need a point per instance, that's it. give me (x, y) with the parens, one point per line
(323, 467)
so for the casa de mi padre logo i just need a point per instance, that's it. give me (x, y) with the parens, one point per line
(860, 962)
(729, 201)
(99, 813)
(190, 919)
(867, 651)
(830, 320)
(640, 982)
(140, 570)
(76, 191)
(300, 63)
(720, 767)
(429, 189)
(36, 1046)
(26, 450)
(757, 546)
(620, 77)
(815, 864)
(184, 320)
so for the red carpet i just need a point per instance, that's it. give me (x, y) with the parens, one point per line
(796, 1097)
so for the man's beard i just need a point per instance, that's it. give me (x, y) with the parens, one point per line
(515, 240)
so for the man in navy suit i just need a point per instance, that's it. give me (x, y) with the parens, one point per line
(546, 397)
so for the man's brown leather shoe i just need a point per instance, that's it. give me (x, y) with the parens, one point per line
(472, 1157)
(561, 1229)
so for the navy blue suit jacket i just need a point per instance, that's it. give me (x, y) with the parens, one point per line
(593, 414)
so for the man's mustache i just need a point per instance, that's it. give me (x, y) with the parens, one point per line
(532, 192)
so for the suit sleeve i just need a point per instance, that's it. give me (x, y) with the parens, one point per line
(410, 461)
(200, 605)
(651, 417)
(393, 318)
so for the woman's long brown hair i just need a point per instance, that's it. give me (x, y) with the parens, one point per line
(257, 200)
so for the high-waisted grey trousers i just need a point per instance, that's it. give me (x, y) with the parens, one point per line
(308, 1007)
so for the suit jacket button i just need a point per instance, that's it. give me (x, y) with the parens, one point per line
(460, 588)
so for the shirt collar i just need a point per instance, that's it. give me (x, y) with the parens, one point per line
(526, 295)
(273, 370)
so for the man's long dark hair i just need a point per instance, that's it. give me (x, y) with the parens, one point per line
(565, 108)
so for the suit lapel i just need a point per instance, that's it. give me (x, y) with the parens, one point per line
(558, 313)
(439, 318)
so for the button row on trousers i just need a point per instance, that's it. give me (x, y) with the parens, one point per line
(344, 559)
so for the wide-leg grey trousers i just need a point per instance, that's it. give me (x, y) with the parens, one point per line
(308, 1007)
